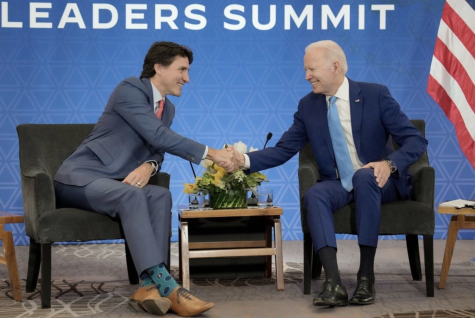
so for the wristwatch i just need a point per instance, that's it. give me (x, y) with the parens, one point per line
(154, 165)
(391, 165)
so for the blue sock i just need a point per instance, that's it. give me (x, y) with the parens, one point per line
(158, 275)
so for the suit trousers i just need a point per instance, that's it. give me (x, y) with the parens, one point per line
(325, 197)
(144, 214)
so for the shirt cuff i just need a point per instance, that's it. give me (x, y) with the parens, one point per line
(205, 154)
(247, 162)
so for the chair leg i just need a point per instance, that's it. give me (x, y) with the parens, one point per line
(46, 275)
(34, 261)
(429, 264)
(412, 243)
(131, 270)
(307, 263)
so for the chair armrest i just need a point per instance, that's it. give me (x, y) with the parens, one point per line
(38, 198)
(424, 184)
(308, 176)
(161, 179)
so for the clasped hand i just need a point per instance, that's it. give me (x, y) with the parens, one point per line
(228, 158)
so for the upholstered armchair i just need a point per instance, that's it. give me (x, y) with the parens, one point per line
(410, 218)
(43, 147)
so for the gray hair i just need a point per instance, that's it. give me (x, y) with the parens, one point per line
(332, 52)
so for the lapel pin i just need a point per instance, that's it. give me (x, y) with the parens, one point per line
(357, 101)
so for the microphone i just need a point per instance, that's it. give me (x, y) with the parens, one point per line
(269, 136)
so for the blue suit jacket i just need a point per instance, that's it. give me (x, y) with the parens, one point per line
(375, 116)
(127, 134)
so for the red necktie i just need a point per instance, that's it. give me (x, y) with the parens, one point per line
(161, 103)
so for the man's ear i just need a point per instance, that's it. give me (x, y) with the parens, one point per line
(336, 68)
(158, 68)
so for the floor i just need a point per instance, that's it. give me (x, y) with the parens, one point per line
(91, 281)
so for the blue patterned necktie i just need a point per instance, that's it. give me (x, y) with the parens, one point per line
(340, 148)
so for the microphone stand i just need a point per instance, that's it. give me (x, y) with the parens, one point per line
(252, 201)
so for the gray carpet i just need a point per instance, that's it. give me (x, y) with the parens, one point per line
(91, 280)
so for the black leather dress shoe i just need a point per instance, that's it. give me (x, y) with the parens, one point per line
(332, 295)
(365, 293)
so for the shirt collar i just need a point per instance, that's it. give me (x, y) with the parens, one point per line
(343, 91)
(156, 97)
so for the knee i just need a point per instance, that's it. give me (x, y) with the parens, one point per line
(364, 178)
(162, 194)
(312, 196)
(364, 175)
(134, 193)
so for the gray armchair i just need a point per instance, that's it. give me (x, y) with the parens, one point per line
(42, 149)
(411, 218)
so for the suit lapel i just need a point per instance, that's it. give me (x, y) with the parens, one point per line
(148, 86)
(356, 110)
(167, 115)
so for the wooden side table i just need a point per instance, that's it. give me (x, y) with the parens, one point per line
(460, 220)
(188, 250)
(9, 258)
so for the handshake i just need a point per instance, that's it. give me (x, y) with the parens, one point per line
(228, 158)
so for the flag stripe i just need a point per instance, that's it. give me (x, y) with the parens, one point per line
(451, 81)
(465, 9)
(457, 48)
(467, 143)
(453, 90)
(462, 29)
(456, 70)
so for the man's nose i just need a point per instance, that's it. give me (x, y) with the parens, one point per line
(186, 78)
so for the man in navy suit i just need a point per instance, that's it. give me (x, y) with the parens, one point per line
(108, 173)
(367, 170)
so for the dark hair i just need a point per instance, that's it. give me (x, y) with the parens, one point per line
(163, 53)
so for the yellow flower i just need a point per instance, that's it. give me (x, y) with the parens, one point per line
(259, 175)
(189, 188)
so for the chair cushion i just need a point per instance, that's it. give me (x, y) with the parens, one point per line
(400, 217)
(81, 225)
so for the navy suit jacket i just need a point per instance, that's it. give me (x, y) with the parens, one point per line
(127, 134)
(375, 116)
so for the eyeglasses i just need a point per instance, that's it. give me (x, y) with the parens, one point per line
(470, 206)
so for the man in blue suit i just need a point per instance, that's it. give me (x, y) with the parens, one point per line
(356, 159)
(108, 173)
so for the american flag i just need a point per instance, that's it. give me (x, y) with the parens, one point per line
(452, 74)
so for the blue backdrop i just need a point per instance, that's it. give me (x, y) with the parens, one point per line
(59, 61)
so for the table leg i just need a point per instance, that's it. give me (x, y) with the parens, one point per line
(10, 260)
(180, 259)
(185, 263)
(279, 258)
(449, 250)
(268, 242)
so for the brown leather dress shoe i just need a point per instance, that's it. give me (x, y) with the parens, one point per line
(148, 299)
(185, 304)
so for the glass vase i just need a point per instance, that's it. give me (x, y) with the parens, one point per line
(234, 199)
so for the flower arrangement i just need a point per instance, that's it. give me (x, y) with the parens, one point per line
(226, 190)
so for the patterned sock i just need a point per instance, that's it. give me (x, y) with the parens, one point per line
(146, 280)
(159, 276)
